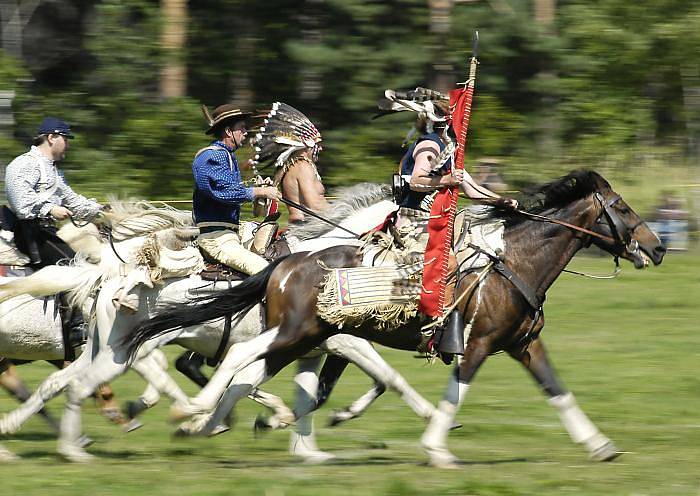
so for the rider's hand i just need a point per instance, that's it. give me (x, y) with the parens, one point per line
(60, 213)
(267, 192)
(507, 203)
(456, 177)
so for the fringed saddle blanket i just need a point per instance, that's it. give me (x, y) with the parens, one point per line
(388, 295)
(387, 287)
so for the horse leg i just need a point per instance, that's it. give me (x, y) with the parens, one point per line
(189, 364)
(303, 440)
(434, 439)
(248, 378)
(578, 425)
(360, 352)
(16, 387)
(283, 415)
(109, 408)
(52, 386)
(104, 368)
(153, 369)
(238, 356)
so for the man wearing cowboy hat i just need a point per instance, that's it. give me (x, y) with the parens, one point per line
(219, 191)
(38, 195)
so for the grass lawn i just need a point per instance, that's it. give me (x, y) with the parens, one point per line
(627, 348)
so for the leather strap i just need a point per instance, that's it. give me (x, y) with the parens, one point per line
(525, 289)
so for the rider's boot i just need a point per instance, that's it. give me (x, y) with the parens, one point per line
(73, 325)
(452, 338)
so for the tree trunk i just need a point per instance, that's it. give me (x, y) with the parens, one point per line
(14, 17)
(442, 74)
(547, 127)
(173, 81)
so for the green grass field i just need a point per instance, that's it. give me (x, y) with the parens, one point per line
(627, 348)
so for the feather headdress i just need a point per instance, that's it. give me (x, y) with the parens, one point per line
(284, 131)
(420, 100)
(430, 105)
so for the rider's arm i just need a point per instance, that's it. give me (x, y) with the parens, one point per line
(214, 178)
(21, 179)
(310, 189)
(420, 179)
(475, 191)
(80, 207)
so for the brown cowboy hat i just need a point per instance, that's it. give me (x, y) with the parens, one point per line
(223, 113)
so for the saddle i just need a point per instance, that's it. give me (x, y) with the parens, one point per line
(216, 271)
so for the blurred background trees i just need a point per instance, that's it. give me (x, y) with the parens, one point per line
(613, 85)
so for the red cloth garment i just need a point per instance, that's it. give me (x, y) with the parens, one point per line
(442, 213)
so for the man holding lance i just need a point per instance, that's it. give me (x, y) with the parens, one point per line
(436, 162)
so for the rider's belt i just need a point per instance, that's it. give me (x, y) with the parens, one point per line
(207, 227)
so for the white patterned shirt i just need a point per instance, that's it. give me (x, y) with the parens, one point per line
(34, 186)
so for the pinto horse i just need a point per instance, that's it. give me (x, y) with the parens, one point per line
(572, 212)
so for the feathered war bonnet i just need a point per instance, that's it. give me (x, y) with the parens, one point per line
(431, 106)
(283, 132)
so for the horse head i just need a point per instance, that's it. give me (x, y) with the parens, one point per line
(625, 234)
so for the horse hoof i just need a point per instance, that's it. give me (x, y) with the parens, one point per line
(219, 429)
(132, 425)
(7, 455)
(316, 457)
(179, 413)
(441, 458)
(74, 454)
(261, 425)
(6, 428)
(605, 453)
(339, 416)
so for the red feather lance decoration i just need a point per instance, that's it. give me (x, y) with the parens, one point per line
(442, 213)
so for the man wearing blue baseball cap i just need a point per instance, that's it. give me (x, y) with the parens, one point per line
(38, 195)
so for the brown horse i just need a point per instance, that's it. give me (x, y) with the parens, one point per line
(571, 213)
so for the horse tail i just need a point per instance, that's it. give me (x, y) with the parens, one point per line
(235, 301)
(49, 281)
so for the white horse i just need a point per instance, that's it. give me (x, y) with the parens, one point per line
(113, 329)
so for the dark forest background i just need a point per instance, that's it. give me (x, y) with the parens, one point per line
(613, 85)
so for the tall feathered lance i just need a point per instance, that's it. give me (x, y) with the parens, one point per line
(444, 208)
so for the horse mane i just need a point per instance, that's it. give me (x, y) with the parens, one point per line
(350, 200)
(556, 194)
(127, 219)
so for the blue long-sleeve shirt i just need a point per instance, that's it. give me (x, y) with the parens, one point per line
(218, 186)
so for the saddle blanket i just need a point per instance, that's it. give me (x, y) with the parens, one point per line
(389, 295)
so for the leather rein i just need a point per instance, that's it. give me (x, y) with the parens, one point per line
(621, 234)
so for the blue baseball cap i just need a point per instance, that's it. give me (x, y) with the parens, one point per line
(51, 125)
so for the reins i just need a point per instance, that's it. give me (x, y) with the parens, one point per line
(609, 239)
(544, 218)
(314, 214)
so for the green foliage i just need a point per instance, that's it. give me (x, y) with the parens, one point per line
(607, 85)
(11, 71)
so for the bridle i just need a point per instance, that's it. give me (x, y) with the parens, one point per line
(621, 233)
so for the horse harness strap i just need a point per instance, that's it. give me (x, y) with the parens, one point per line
(530, 295)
